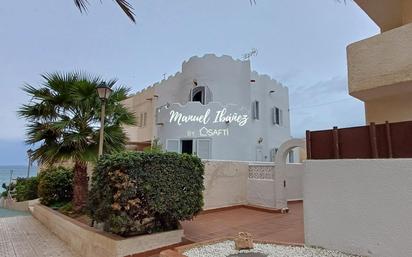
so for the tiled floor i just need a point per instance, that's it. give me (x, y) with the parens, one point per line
(262, 225)
(24, 236)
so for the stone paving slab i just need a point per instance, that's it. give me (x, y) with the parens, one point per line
(25, 236)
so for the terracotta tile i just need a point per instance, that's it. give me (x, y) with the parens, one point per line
(263, 225)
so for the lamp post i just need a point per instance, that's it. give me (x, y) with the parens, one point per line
(29, 153)
(104, 93)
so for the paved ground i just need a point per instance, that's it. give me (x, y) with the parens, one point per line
(262, 225)
(24, 236)
(11, 213)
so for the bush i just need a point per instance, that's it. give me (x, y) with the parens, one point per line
(26, 189)
(144, 192)
(55, 186)
(6, 189)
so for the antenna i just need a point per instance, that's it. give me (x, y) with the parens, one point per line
(253, 52)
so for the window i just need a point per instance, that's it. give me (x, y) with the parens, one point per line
(255, 110)
(141, 120)
(291, 156)
(198, 95)
(157, 118)
(144, 119)
(173, 145)
(204, 148)
(187, 146)
(277, 116)
(201, 147)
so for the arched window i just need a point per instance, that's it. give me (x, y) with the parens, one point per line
(200, 94)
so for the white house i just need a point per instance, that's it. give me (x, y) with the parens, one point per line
(216, 108)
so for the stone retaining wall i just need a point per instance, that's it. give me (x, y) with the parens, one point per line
(90, 242)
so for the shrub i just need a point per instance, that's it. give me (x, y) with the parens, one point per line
(6, 189)
(144, 192)
(26, 189)
(55, 186)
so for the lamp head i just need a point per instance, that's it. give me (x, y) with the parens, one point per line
(104, 91)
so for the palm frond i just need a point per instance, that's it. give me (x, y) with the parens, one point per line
(127, 8)
(81, 5)
(64, 114)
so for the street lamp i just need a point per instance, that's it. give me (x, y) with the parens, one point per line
(104, 93)
(29, 153)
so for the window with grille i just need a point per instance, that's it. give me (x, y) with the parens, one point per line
(277, 116)
(255, 110)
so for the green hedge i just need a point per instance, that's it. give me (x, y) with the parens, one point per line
(136, 193)
(55, 186)
(26, 189)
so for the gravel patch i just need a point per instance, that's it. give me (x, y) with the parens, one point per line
(227, 248)
(248, 255)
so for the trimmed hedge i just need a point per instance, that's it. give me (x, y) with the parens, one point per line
(144, 192)
(55, 186)
(26, 189)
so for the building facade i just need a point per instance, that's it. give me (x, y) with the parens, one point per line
(380, 67)
(216, 108)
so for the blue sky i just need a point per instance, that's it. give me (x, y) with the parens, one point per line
(300, 43)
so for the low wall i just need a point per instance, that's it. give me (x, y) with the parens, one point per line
(261, 185)
(225, 183)
(231, 183)
(90, 242)
(11, 204)
(362, 207)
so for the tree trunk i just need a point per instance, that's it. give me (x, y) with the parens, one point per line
(80, 187)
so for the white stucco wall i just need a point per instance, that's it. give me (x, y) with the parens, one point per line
(294, 181)
(261, 185)
(225, 184)
(231, 183)
(232, 83)
(234, 146)
(359, 206)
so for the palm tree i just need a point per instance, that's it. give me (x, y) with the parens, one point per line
(124, 5)
(63, 123)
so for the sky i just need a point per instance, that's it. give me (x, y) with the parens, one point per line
(302, 44)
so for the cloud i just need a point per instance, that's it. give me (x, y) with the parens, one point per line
(323, 105)
(13, 152)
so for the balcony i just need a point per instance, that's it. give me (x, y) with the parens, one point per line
(381, 65)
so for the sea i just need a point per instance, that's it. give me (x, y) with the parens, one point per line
(15, 171)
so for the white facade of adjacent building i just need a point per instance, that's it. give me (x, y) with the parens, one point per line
(216, 108)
